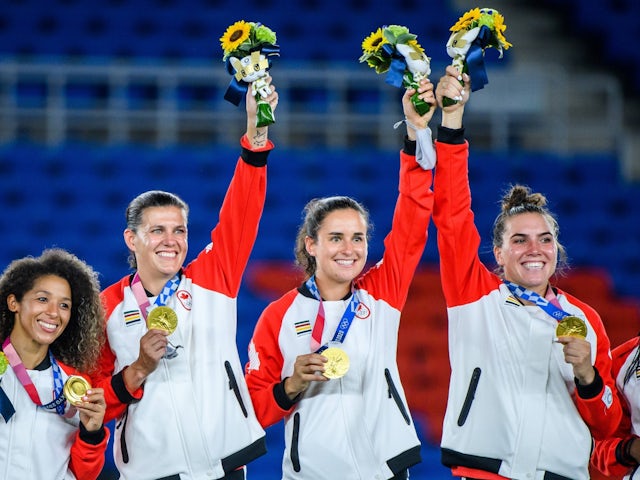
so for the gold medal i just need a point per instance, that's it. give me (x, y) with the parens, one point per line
(75, 388)
(162, 318)
(337, 364)
(571, 326)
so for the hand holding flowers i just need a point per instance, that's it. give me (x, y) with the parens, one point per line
(476, 30)
(247, 48)
(395, 51)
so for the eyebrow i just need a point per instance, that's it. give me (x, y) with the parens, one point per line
(342, 233)
(48, 293)
(525, 235)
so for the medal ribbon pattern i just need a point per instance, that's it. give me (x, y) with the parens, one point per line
(163, 297)
(143, 302)
(19, 369)
(343, 326)
(526, 294)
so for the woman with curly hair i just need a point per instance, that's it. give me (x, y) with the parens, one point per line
(52, 330)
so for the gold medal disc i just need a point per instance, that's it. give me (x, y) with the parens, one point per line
(75, 388)
(571, 326)
(337, 364)
(162, 318)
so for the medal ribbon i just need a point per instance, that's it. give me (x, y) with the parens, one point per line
(343, 326)
(141, 297)
(526, 294)
(19, 369)
(163, 297)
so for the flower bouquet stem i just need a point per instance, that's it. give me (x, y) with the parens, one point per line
(264, 114)
(462, 67)
(420, 105)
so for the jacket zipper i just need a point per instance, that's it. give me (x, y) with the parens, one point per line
(393, 393)
(233, 385)
(295, 458)
(466, 406)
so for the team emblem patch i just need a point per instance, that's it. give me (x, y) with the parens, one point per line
(607, 397)
(184, 298)
(132, 317)
(511, 300)
(362, 311)
(303, 327)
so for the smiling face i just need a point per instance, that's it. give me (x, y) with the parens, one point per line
(529, 251)
(340, 251)
(159, 245)
(41, 316)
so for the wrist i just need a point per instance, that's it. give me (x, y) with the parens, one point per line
(587, 378)
(134, 376)
(289, 389)
(452, 120)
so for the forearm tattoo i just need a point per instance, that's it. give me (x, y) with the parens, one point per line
(259, 139)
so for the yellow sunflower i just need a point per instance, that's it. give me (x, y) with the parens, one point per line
(373, 42)
(235, 35)
(499, 27)
(465, 22)
(414, 43)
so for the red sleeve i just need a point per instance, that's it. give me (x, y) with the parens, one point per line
(604, 456)
(87, 460)
(221, 267)
(264, 369)
(404, 245)
(464, 278)
(601, 412)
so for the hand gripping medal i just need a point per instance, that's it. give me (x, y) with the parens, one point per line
(337, 364)
(571, 326)
(162, 318)
(75, 388)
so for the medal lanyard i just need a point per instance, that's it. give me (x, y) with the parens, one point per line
(318, 326)
(141, 297)
(19, 369)
(546, 305)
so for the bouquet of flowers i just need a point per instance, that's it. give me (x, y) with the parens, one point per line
(476, 30)
(248, 48)
(395, 51)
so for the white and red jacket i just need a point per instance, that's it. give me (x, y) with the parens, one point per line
(513, 409)
(611, 455)
(39, 444)
(358, 426)
(194, 417)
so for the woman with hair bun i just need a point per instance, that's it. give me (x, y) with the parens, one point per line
(530, 364)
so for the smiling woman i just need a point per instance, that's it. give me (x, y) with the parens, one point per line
(323, 356)
(519, 346)
(51, 324)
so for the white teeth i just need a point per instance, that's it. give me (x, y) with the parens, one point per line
(345, 262)
(166, 254)
(47, 326)
(533, 265)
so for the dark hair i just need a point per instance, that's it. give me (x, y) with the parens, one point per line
(315, 211)
(80, 343)
(152, 198)
(518, 200)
